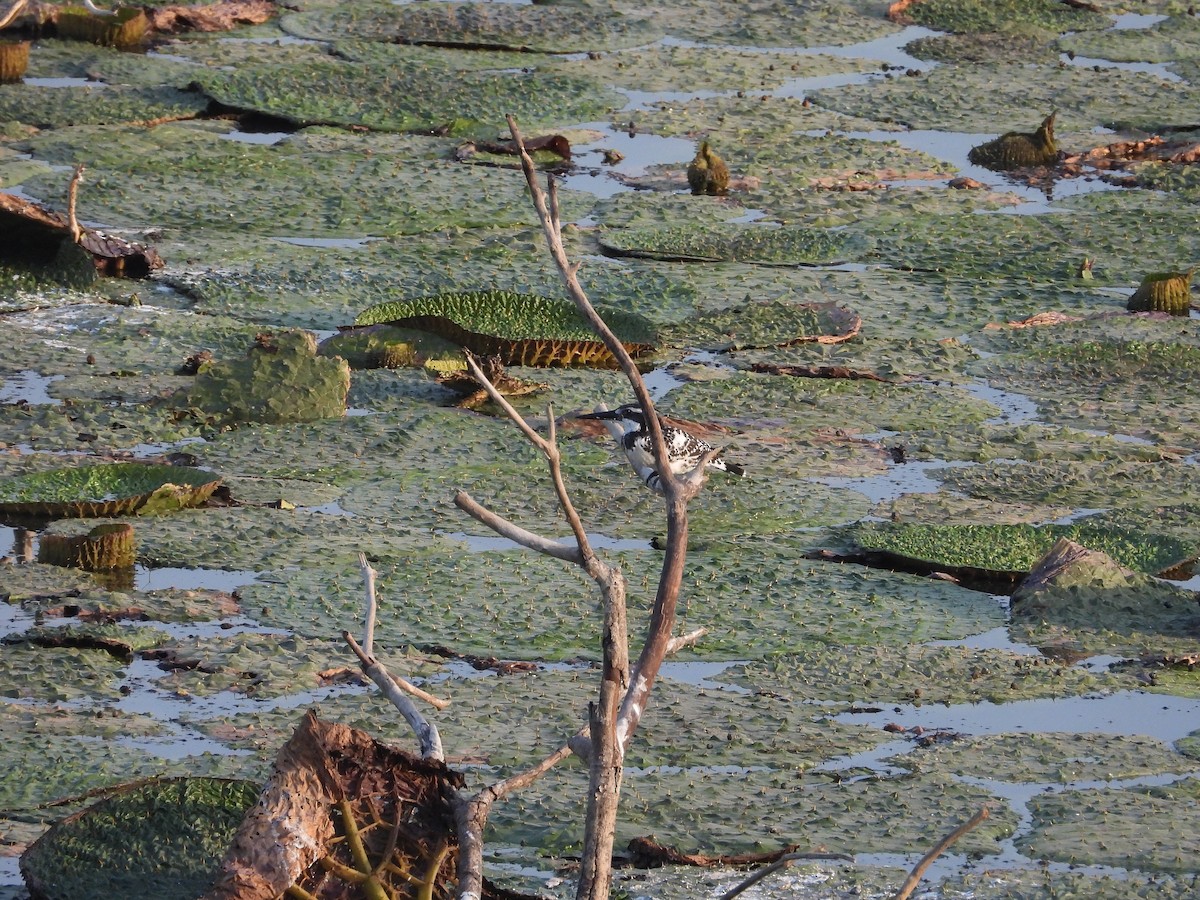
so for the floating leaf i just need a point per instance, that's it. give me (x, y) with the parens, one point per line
(14, 60)
(773, 323)
(761, 244)
(163, 839)
(1007, 551)
(116, 489)
(521, 329)
(1169, 292)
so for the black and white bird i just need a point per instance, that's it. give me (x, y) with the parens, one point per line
(683, 450)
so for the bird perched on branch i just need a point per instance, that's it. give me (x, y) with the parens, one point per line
(684, 450)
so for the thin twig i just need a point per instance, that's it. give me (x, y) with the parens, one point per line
(72, 197)
(407, 686)
(394, 689)
(585, 557)
(369, 574)
(782, 863)
(514, 532)
(914, 877)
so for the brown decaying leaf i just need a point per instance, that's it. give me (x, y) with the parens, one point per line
(647, 853)
(215, 17)
(37, 224)
(817, 372)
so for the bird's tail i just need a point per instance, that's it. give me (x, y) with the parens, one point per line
(731, 468)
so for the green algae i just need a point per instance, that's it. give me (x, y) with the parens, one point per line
(985, 47)
(183, 173)
(1030, 443)
(1120, 384)
(254, 665)
(46, 107)
(1010, 549)
(1172, 40)
(1041, 883)
(106, 490)
(34, 673)
(1057, 758)
(709, 68)
(779, 806)
(89, 750)
(1144, 828)
(759, 23)
(164, 838)
(1092, 605)
(1094, 485)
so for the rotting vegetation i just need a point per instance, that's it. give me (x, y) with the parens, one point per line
(926, 272)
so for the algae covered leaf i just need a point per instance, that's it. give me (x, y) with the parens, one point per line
(521, 329)
(163, 839)
(115, 489)
(787, 245)
(768, 323)
(1002, 551)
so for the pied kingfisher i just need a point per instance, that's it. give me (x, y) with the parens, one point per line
(683, 450)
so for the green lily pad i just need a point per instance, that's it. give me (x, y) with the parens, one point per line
(1004, 15)
(1007, 551)
(772, 323)
(1148, 828)
(115, 489)
(542, 28)
(523, 329)
(394, 88)
(162, 839)
(786, 246)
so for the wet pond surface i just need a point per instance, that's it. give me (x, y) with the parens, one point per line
(865, 711)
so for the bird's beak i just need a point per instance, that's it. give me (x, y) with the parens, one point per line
(608, 414)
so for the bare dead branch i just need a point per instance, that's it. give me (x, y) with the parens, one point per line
(428, 737)
(914, 877)
(586, 557)
(72, 198)
(516, 533)
(552, 228)
(369, 574)
(685, 640)
(782, 863)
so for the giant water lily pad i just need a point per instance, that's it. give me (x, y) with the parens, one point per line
(392, 88)
(1006, 551)
(786, 246)
(1004, 15)
(162, 839)
(115, 489)
(1151, 828)
(522, 329)
(544, 28)
(772, 323)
